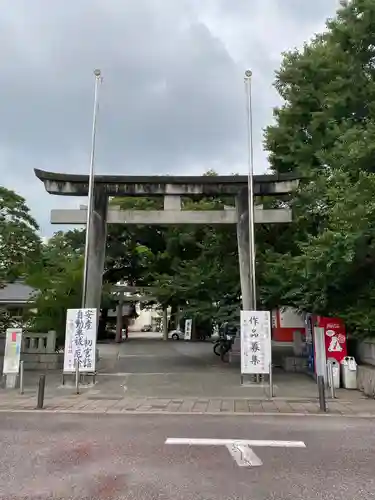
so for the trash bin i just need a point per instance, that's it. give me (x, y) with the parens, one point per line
(335, 373)
(349, 372)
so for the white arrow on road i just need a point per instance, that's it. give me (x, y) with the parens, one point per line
(240, 449)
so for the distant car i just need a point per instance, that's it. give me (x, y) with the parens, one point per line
(175, 334)
(146, 328)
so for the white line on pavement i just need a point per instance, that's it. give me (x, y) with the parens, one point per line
(240, 449)
(244, 455)
(246, 442)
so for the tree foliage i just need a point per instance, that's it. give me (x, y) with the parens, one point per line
(19, 241)
(190, 267)
(198, 270)
(325, 132)
(57, 279)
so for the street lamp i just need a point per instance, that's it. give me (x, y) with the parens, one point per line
(98, 80)
(250, 188)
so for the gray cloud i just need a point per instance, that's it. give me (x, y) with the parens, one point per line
(172, 100)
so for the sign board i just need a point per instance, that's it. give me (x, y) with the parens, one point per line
(12, 352)
(188, 327)
(255, 342)
(80, 340)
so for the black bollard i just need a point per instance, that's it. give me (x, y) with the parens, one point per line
(41, 387)
(322, 395)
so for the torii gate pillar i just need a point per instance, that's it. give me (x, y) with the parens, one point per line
(96, 249)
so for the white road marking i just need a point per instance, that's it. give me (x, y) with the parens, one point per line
(244, 455)
(248, 442)
(240, 449)
(121, 356)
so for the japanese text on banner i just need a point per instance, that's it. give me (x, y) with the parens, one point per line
(255, 342)
(80, 341)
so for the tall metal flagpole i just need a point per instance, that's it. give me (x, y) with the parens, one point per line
(98, 80)
(250, 186)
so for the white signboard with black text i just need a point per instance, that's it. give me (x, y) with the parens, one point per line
(255, 342)
(188, 327)
(80, 340)
(12, 352)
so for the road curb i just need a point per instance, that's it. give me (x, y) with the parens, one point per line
(174, 413)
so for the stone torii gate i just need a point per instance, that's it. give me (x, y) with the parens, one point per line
(172, 189)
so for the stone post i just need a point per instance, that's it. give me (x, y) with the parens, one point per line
(96, 250)
(11, 380)
(119, 321)
(165, 323)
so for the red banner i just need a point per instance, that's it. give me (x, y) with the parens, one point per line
(335, 337)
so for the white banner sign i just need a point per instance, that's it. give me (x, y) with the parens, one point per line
(12, 352)
(80, 340)
(255, 342)
(188, 326)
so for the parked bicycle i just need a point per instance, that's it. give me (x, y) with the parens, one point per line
(223, 346)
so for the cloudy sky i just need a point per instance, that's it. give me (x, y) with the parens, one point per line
(172, 100)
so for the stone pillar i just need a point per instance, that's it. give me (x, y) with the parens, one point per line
(242, 206)
(165, 324)
(242, 209)
(119, 322)
(96, 251)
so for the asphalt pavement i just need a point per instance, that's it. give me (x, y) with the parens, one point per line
(157, 457)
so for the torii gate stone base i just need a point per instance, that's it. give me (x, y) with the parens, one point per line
(172, 189)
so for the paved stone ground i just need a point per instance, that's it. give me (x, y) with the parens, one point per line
(90, 403)
(148, 376)
(88, 457)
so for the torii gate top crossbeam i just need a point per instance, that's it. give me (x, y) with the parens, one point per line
(124, 185)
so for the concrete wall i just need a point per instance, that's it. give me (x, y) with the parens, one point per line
(366, 380)
(366, 352)
(366, 371)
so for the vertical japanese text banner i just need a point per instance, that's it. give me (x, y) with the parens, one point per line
(80, 340)
(255, 342)
(188, 327)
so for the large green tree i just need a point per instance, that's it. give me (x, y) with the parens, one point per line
(57, 277)
(19, 242)
(190, 267)
(325, 132)
(198, 271)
